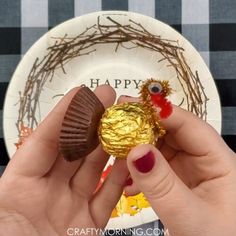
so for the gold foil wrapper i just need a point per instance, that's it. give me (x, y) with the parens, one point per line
(124, 126)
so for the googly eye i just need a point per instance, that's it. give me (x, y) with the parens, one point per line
(155, 88)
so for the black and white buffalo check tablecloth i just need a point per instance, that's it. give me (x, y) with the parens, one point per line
(210, 25)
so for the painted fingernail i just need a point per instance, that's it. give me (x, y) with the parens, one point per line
(129, 182)
(145, 163)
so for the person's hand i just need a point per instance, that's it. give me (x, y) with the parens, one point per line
(42, 194)
(190, 181)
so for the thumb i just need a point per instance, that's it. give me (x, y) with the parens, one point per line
(170, 198)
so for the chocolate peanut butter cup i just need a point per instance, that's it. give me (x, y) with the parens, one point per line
(79, 135)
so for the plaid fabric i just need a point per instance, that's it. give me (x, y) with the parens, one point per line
(210, 25)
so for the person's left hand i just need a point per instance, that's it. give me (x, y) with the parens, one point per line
(42, 194)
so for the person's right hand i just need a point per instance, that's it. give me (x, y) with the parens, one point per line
(190, 181)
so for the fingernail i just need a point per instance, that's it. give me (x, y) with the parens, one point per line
(127, 96)
(145, 163)
(129, 182)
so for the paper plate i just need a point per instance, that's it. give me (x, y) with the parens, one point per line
(117, 48)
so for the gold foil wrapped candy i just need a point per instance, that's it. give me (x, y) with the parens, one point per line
(120, 128)
(124, 126)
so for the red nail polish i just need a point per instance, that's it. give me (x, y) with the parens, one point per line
(129, 182)
(145, 163)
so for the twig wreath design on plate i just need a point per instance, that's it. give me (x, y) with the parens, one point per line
(128, 36)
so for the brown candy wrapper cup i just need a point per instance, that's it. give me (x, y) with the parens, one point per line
(78, 135)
